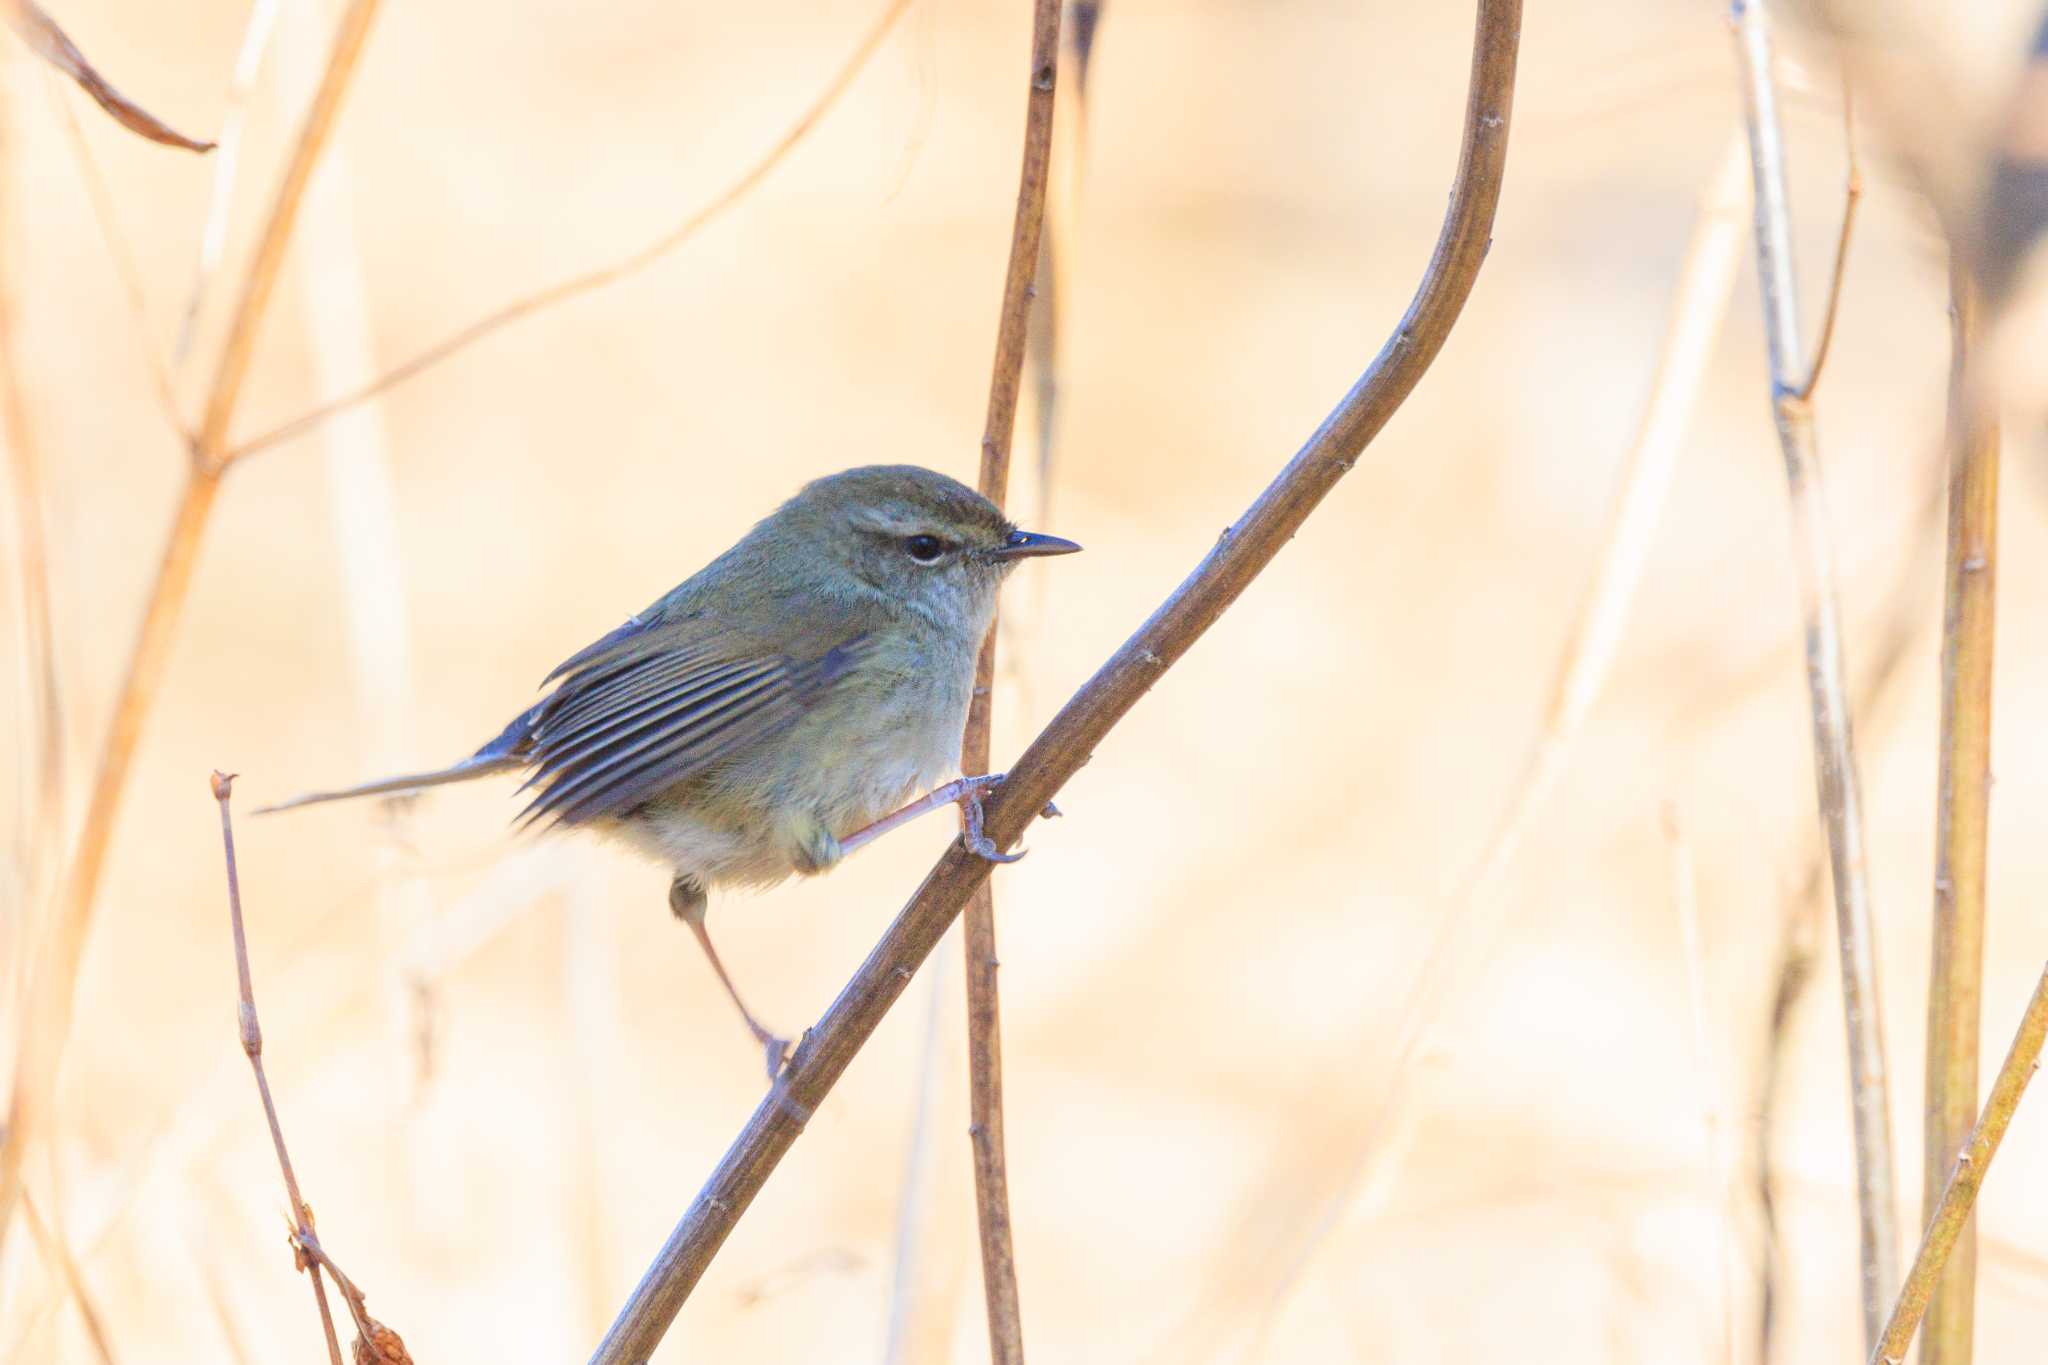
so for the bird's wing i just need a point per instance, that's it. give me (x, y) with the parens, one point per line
(652, 704)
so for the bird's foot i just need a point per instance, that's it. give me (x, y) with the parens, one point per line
(975, 837)
(779, 1077)
(775, 1051)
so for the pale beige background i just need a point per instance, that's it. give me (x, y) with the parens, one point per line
(1204, 961)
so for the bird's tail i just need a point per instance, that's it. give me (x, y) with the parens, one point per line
(503, 754)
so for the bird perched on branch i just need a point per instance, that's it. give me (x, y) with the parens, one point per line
(767, 716)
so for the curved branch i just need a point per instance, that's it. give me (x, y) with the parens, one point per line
(1070, 740)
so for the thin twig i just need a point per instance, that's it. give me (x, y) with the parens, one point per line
(1838, 787)
(251, 1033)
(984, 1009)
(1959, 1195)
(1955, 989)
(585, 282)
(375, 1343)
(47, 1016)
(210, 447)
(50, 43)
(1852, 195)
(220, 201)
(1245, 548)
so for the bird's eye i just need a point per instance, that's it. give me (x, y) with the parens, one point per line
(925, 549)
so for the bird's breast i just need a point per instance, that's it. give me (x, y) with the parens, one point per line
(897, 735)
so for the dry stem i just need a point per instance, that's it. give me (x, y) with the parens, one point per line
(1963, 796)
(1959, 1196)
(375, 1342)
(251, 1031)
(984, 1008)
(1244, 549)
(47, 1017)
(213, 238)
(1852, 195)
(210, 447)
(1840, 796)
(576, 285)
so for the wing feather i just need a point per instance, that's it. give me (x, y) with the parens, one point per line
(653, 705)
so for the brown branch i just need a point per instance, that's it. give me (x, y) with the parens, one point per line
(1963, 796)
(1852, 195)
(49, 42)
(1959, 1195)
(1837, 785)
(984, 1006)
(47, 1015)
(1070, 740)
(577, 285)
(251, 1033)
(375, 1342)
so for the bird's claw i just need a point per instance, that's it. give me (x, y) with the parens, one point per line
(775, 1052)
(977, 841)
(984, 847)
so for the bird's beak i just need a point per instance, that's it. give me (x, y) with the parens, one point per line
(1030, 544)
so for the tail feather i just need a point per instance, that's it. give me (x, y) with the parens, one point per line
(478, 765)
(506, 752)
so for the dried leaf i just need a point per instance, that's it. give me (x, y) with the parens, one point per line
(379, 1345)
(41, 33)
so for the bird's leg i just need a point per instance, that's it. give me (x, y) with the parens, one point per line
(967, 793)
(962, 790)
(688, 900)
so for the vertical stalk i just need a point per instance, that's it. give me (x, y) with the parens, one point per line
(984, 1018)
(1963, 796)
(1839, 788)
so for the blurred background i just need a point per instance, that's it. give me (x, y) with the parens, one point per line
(501, 1064)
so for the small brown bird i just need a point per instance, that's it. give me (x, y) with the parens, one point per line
(767, 716)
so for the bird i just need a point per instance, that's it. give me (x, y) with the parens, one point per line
(780, 707)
